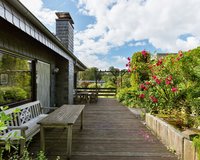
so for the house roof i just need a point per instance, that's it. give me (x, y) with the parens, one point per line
(34, 21)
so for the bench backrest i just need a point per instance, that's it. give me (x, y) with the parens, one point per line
(27, 112)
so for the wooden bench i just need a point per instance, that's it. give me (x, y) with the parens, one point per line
(23, 123)
(63, 117)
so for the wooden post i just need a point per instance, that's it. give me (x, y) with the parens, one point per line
(22, 142)
(96, 74)
(42, 138)
(82, 120)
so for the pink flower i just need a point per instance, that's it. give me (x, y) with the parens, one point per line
(127, 65)
(145, 88)
(142, 86)
(169, 77)
(147, 83)
(128, 58)
(154, 77)
(129, 70)
(180, 53)
(142, 96)
(167, 82)
(174, 89)
(144, 53)
(154, 99)
(159, 62)
(158, 81)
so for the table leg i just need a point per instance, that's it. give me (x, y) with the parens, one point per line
(69, 141)
(82, 120)
(42, 138)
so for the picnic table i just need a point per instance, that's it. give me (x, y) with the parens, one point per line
(87, 96)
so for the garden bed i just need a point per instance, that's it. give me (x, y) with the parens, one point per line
(176, 140)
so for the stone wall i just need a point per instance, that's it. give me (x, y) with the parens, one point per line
(172, 138)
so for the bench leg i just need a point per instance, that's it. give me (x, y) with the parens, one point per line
(42, 139)
(69, 141)
(22, 142)
(22, 146)
(82, 120)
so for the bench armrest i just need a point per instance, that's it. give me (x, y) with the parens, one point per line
(18, 127)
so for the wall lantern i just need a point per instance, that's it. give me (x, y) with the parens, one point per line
(55, 70)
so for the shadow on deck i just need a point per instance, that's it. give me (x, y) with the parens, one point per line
(111, 132)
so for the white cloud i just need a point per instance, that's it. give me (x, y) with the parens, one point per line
(189, 43)
(122, 21)
(119, 22)
(93, 61)
(119, 60)
(137, 44)
(45, 15)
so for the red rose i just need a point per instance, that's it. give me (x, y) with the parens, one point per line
(174, 89)
(141, 96)
(154, 99)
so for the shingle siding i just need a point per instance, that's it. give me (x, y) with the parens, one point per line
(65, 32)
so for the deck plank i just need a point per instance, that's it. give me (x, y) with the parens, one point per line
(111, 132)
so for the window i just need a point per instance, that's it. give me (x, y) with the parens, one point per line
(15, 79)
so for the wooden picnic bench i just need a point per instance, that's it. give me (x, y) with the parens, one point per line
(85, 96)
(23, 123)
(63, 117)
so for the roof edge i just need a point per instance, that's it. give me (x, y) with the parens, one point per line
(26, 13)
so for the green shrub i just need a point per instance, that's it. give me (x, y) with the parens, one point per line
(127, 96)
(12, 94)
(93, 85)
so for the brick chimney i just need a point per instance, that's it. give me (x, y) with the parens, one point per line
(65, 30)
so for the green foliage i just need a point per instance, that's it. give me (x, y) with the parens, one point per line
(12, 94)
(171, 83)
(196, 144)
(4, 120)
(41, 156)
(26, 156)
(139, 68)
(109, 84)
(17, 85)
(111, 78)
(88, 74)
(127, 96)
(93, 85)
(126, 80)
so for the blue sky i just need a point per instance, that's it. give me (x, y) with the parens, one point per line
(109, 31)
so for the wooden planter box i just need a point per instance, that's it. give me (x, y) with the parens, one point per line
(174, 139)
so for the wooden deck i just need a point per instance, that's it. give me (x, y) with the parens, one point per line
(111, 132)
